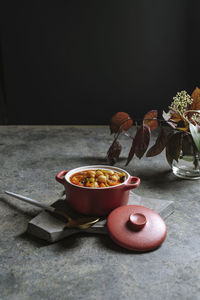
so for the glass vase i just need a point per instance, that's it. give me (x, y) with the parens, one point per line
(188, 164)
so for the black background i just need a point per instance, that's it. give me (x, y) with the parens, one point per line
(79, 62)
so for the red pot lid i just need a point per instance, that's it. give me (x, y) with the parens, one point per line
(136, 227)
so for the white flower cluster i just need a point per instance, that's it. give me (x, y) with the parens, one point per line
(181, 101)
(196, 118)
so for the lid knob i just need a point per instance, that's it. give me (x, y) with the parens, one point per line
(137, 221)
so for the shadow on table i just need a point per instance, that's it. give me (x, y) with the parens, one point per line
(75, 241)
(19, 209)
(68, 243)
(104, 242)
(36, 242)
(158, 178)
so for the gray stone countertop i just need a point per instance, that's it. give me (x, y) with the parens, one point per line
(86, 266)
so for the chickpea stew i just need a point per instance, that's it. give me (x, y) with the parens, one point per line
(98, 178)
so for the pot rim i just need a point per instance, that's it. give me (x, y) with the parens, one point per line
(91, 167)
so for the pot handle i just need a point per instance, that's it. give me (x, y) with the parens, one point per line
(133, 183)
(60, 176)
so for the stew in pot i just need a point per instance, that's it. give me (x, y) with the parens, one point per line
(98, 178)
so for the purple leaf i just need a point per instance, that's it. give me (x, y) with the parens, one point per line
(150, 119)
(166, 117)
(114, 152)
(120, 121)
(131, 152)
(159, 145)
(140, 142)
(173, 147)
(142, 139)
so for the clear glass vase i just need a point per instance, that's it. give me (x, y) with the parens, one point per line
(188, 164)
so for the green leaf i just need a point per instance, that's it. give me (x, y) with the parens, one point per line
(195, 132)
(188, 158)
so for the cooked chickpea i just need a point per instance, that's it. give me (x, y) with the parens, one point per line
(101, 178)
(107, 176)
(110, 172)
(91, 173)
(98, 173)
(114, 177)
(95, 184)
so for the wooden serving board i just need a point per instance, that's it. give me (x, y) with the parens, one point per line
(51, 229)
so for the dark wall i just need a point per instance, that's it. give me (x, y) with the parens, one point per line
(79, 62)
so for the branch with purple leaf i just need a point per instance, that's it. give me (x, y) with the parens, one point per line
(183, 119)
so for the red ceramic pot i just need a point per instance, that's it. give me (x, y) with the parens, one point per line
(97, 201)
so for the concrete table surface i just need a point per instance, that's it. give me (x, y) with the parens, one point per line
(86, 266)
